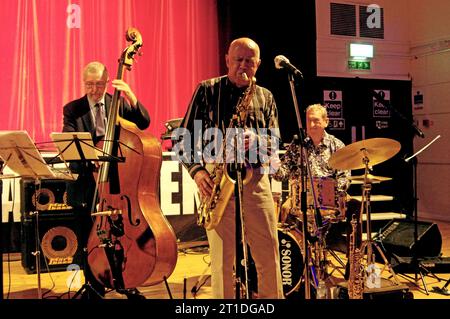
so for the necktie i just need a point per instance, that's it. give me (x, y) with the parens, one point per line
(99, 121)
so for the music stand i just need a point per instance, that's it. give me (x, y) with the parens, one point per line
(78, 147)
(75, 146)
(1, 224)
(21, 156)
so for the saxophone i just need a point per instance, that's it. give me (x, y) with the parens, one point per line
(211, 208)
(356, 277)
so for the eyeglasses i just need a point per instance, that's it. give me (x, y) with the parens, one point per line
(98, 85)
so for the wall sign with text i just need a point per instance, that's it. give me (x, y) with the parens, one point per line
(332, 100)
(381, 113)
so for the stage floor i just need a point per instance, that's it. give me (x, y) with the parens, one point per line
(191, 272)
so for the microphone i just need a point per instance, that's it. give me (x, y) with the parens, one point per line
(282, 62)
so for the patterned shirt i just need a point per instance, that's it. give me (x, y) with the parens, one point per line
(213, 103)
(318, 157)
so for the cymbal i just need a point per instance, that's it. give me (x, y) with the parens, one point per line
(371, 179)
(377, 150)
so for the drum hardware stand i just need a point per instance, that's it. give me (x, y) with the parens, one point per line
(367, 245)
(339, 260)
(322, 262)
(443, 290)
(329, 263)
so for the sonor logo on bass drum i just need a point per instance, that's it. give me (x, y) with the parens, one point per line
(291, 260)
(286, 262)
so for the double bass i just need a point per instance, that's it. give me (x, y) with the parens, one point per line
(131, 243)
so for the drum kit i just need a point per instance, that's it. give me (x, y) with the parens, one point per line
(359, 155)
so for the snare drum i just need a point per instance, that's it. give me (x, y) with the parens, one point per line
(325, 190)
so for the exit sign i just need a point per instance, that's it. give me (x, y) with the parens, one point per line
(359, 65)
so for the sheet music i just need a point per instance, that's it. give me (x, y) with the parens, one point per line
(20, 154)
(68, 149)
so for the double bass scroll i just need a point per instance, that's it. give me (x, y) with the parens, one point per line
(136, 247)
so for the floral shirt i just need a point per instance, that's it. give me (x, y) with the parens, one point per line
(318, 157)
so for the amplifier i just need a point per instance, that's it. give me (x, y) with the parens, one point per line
(397, 238)
(58, 236)
(387, 291)
(48, 222)
(49, 195)
(432, 264)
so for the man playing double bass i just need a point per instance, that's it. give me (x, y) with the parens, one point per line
(89, 114)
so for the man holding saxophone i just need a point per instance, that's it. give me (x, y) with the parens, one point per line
(211, 109)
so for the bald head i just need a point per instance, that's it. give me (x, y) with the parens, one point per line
(243, 57)
(245, 43)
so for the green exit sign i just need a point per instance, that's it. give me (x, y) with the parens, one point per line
(359, 65)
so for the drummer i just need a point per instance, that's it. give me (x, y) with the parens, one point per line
(320, 145)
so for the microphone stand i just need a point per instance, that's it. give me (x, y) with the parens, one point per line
(387, 104)
(241, 242)
(415, 261)
(303, 201)
(416, 132)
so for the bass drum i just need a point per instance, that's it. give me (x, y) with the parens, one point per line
(291, 261)
(291, 258)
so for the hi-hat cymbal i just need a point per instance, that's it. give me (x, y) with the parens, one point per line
(377, 150)
(371, 179)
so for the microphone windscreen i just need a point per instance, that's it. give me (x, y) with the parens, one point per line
(278, 59)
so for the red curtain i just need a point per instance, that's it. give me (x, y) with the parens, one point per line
(46, 44)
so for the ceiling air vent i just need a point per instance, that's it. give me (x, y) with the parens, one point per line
(343, 19)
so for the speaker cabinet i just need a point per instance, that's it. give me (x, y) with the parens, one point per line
(48, 223)
(59, 242)
(397, 237)
(49, 195)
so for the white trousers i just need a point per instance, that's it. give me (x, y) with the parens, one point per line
(261, 235)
